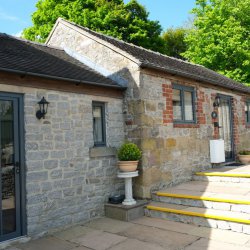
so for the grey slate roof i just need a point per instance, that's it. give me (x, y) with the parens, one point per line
(22, 56)
(154, 60)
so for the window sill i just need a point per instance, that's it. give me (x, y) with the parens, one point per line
(102, 151)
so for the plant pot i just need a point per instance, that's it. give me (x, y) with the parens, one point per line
(127, 166)
(245, 159)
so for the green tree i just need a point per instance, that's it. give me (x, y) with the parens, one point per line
(175, 44)
(220, 39)
(128, 22)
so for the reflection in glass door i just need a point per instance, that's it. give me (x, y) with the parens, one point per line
(10, 223)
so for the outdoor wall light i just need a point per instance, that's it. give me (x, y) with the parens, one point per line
(217, 101)
(43, 105)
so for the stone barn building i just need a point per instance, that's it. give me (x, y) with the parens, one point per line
(59, 167)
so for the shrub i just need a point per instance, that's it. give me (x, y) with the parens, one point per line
(129, 152)
(244, 152)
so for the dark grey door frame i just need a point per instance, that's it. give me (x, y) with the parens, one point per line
(231, 118)
(19, 147)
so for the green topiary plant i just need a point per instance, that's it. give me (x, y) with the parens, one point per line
(129, 152)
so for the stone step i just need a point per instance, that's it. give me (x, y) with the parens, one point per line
(237, 222)
(225, 174)
(221, 179)
(222, 196)
(234, 205)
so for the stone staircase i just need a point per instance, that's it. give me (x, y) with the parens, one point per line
(218, 198)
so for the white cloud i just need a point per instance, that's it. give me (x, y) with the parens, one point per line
(18, 34)
(7, 17)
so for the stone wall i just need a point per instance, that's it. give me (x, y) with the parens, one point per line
(67, 183)
(172, 152)
(243, 137)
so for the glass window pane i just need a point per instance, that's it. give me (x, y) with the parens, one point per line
(7, 173)
(177, 104)
(247, 111)
(188, 106)
(98, 124)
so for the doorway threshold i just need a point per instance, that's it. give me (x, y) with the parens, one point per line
(7, 243)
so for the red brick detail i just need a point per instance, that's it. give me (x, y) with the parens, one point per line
(167, 115)
(236, 124)
(167, 92)
(186, 125)
(243, 103)
(201, 117)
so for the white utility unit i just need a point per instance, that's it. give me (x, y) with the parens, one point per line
(217, 151)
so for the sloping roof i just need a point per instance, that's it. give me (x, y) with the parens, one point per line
(22, 56)
(154, 60)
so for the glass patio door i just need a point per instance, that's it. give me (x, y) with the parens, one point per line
(10, 205)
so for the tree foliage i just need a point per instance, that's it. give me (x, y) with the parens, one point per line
(175, 43)
(221, 37)
(128, 22)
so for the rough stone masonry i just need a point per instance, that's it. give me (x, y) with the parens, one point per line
(67, 183)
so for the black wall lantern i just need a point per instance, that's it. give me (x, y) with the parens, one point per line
(217, 101)
(43, 105)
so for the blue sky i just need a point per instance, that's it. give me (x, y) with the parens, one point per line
(15, 15)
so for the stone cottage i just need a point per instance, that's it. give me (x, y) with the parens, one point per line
(168, 105)
(58, 160)
(52, 172)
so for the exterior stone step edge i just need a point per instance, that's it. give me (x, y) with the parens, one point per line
(242, 208)
(204, 198)
(200, 221)
(198, 214)
(220, 179)
(221, 174)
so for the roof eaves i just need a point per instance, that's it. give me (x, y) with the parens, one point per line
(62, 78)
(194, 77)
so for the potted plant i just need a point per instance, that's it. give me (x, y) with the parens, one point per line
(244, 156)
(128, 155)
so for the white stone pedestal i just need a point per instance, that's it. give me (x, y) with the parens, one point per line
(129, 200)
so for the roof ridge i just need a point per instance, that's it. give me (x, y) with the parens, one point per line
(130, 44)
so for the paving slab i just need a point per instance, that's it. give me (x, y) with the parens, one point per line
(221, 235)
(12, 248)
(165, 224)
(141, 234)
(73, 232)
(81, 248)
(213, 245)
(166, 239)
(133, 244)
(99, 240)
(204, 232)
(47, 243)
(109, 225)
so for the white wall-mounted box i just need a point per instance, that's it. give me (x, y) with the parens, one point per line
(217, 151)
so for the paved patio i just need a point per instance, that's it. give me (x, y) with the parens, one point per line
(142, 234)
